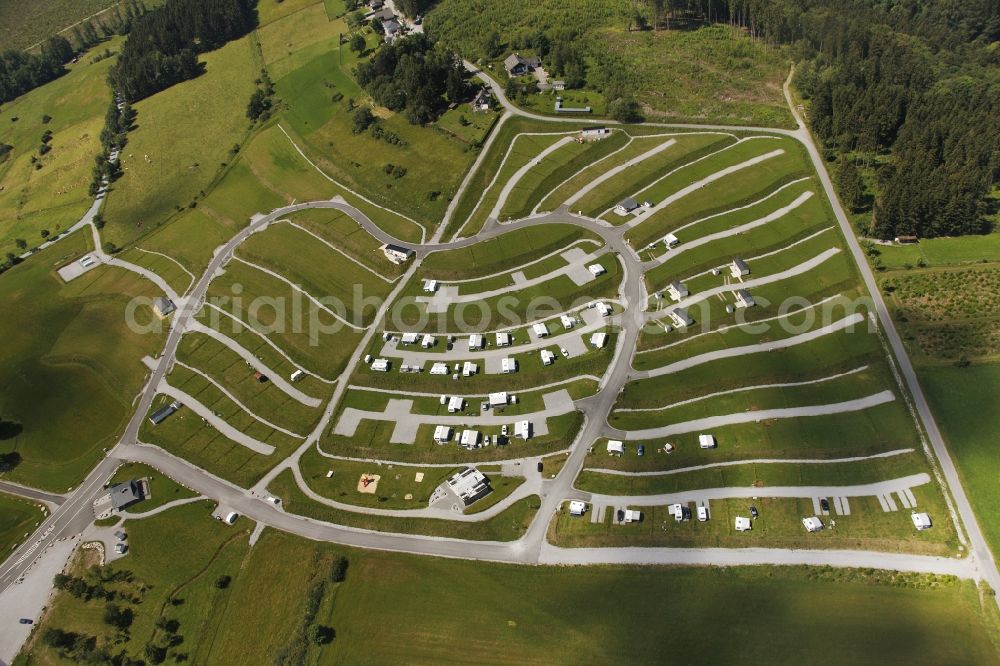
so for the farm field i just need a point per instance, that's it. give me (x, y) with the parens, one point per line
(53, 195)
(69, 350)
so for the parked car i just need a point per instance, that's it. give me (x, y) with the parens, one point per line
(26, 620)
(753, 512)
(824, 504)
(641, 450)
(504, 430)
(540, 465)
(562, 350)
(621, 515)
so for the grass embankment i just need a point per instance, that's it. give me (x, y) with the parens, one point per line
(18, 518)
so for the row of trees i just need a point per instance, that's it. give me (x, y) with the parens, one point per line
(412, 75)
(162, 47)
(917, 80)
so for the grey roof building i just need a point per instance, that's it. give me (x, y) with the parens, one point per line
(516, 64)
(125, 494)
(163, 306)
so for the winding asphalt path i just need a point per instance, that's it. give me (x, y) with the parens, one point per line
(533, 547)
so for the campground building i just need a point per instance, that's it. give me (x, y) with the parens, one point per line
(469, 485)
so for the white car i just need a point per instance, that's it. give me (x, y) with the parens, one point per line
(564, 352)
(503, 430)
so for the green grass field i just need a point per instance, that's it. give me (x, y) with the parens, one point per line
(54, 196)
(70, 366)
(18, 518)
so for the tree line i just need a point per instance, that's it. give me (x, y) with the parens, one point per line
(915, 80)
(163, 45)
(411, 75)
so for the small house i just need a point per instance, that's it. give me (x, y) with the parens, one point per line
(430, 286)
(503, 339)
(706, 441)
(812, 524)
(392, 29)
(456, 403)
(508, 365)
(743, 524)
(744, 299)
(596, 269)
(163, 306)
(541, 330)
(442, 434)
(598, 340)
(439, 369)
(469, 484)
(516, 64)
(591, 133)
(616, 447)
(680, 317)
(670, 241)
(626, 206)
(498, 399)
(738, 268)
(921, 520)
(380, 365)
(483, 101)
(577, 508)
(397, 254)
(126, 494)
(677, 290)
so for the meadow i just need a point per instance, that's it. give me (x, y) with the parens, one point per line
(18, 519)
(25, 25)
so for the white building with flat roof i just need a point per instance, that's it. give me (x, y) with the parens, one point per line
(707, 441)
(476, 341)
(567, 321)
(633, 516)
(547, 357)
(812, 524)
(456, 403)
(670, 240)
(380, 365)
(470, 438)
(439, 369)
(921, 521)
(503, 339)
(469, 368)
(598, 340)
(430, 286)
(469, 484)
(596, 269)
(408, 338)
(541, 330)
(604, 309)
(523, 430)
(577, 508)
(743, 524)
(499, 399)
(427, 341)
(508, 365)
(442, 434)
(616, 447)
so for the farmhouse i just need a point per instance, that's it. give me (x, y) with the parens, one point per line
(439, 369)
(743, 524)
(626, 206)
(508, 365)
(483, 101)
(596, 269)
(470, 485)
(380, 365)
(541, 330)
(744, 299)
(160, 415)
(921, 520)
(126, 494)
(738, 268)
(516, 64)
(397, 254)
(670, 241)
(598, 340)
(616, 447)
(522, 429)
(476, 341)
(680, 317)
(547, 357)
(430, 286)
(503, 339)
(593, 133)
(677, 290)
(163, 306)
(442, 434)
(812, 524)
(706, 441)
(456, 403)
(577, 508)
(470, 438)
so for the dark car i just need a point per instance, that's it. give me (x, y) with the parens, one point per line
(642, 449)
(540, 466)
(824, 504)
(753, 512)
(26, 620)
(621, 515)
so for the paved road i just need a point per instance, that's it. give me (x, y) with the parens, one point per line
(51, 499)
(532, 548)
